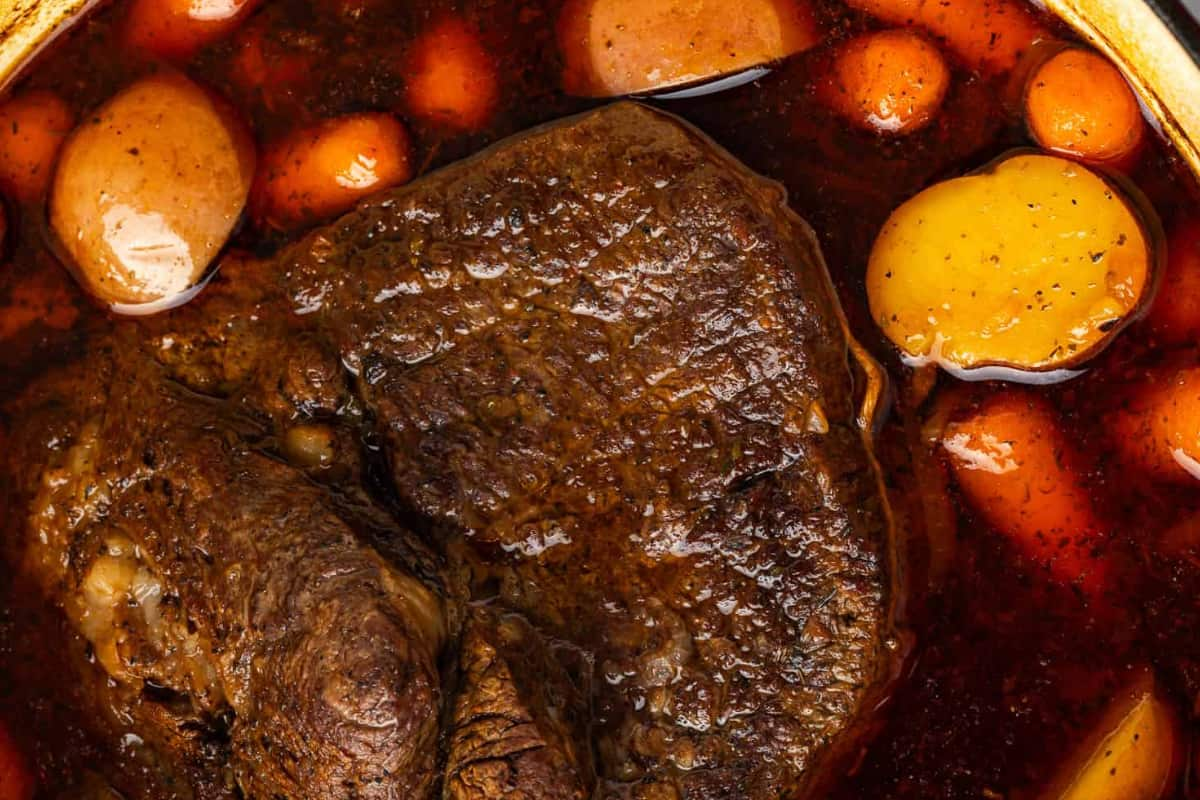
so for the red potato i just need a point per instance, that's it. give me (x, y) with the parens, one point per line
(16, 780)
(617, 47)
(988, 35)
(890, 82)
(1013, 464)
(321, 171)
(1175, 316)
(1157, 427)
(452, 79)
(148, 191)
(33, 126)
(177, 29)
(1077, 103)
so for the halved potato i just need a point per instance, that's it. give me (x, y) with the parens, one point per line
(1032, 264)
(616, 47)
(1133, 754)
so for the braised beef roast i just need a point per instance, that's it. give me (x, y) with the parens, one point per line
(621, 533)
(236, 612)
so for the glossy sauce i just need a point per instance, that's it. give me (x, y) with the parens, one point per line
(1006, 672)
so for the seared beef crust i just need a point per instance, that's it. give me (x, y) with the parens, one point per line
(231, 605)
(608, 379)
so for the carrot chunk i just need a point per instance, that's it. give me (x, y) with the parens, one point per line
(16, 781)
(268, 69)
(452, 79)
(33, 126)
(44, 297)
(890, 81)
(1013, 464)
(177, 29)
(615, 47)
(988, 35)
(323, 170)
(1078, 103)
(1157, 428)
(1175, 316)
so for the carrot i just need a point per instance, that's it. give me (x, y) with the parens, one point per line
(890, 81)
(267, 67)
(33, 126)
(452, 79)
(1078, 103)
(177, 29)
(322, 170)
(16, 781)
(44, 297)
(1013, 465)
(1157, 427)
(615, 47)
(1175, 316)
(988, 35)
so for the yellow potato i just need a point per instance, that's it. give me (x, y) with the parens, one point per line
(615, 47)
(1032, 264)
(1133, 754)
(148, 189)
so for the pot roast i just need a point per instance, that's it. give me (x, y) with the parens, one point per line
(595, 515)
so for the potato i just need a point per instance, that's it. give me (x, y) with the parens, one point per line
(1133, 753)
(616, 47)
(1033, 264)
(148, 190)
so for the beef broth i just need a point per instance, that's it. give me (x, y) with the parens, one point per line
(1001, 675)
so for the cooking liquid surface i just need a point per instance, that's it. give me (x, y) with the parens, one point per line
(1006, 672)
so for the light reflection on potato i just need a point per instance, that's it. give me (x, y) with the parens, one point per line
(148, 189)
(1032, 265)
(616, 47)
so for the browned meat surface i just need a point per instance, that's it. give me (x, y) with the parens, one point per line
(610, 356)
(606, 375)
(231, 606)
(519, 726)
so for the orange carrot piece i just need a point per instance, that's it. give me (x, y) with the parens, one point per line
(452, 79)
(1013, 464)
(45, 297)
(988, 35)
(616, 47)
(1175, 316)
(1157, 427)
(33, 126)
(177, 29)
(16, 780)
(267, 67)
(890, 81)
(1077, 103)
(320, 171)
